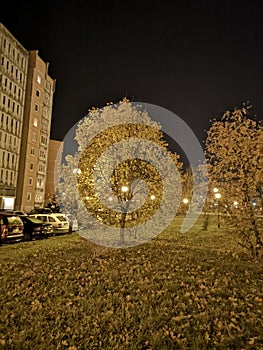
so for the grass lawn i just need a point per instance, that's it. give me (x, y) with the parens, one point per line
(179, 291)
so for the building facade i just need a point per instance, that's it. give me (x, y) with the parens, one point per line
(35, 135)
(28, 123)
(55, 152)
(13, 77)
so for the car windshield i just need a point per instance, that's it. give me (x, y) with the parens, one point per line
(34, 221)
(14, 220)
(61, 218)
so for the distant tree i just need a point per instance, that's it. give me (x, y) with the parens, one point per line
(119, 176)
(234, 155)
(53, 203)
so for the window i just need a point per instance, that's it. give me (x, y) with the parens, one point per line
(34, 136)
(39, 182)
(39, 79)
(37, 93)
(31, 166)
(36, 107)
(30, 181)
(41, 168)
(32, 152)
(35, 122)
(42, 154)
(28, 196)
(43, 140)
(38, 197)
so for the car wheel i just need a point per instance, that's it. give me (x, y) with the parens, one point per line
(27, 236)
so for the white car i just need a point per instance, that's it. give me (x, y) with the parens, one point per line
(59, 221)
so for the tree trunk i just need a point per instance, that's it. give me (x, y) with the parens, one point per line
(123, 222)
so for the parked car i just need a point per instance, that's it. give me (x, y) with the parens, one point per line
(35, 228)
(63, 218)
(73, 223)
(11, 228)
(59, 222)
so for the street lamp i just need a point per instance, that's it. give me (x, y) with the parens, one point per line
(185, 201)
(218, 196)
(124, 189)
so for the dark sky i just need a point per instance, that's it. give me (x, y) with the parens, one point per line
(195, 58)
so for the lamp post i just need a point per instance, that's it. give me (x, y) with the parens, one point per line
(218, 196)
(124, 196)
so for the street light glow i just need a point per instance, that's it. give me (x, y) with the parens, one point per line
(124, 188)
(215, 189)
(218, 195)
(152, 197)
(185, 200)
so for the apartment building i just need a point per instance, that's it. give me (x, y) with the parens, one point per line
(55, 152)
(27, 124)
(40, 88)
(13, 77)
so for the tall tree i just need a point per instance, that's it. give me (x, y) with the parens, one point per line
(234, 156)
(121, 166)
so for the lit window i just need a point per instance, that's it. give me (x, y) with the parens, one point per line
(35, 122)
(39, 79)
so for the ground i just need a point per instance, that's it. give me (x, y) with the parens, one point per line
(180, 291)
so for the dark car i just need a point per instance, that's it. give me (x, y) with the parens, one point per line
(35, 228)
(11, 228)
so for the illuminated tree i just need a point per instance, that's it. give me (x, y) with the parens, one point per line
(118, 181)
(234, 155)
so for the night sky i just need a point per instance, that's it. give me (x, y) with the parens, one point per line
(195, 58)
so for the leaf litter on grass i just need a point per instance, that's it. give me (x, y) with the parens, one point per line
(171, 293)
